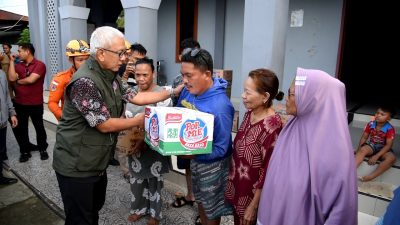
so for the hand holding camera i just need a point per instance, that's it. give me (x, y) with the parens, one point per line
(129, 71)
(13, 56)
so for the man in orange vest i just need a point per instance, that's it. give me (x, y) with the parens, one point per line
(77, 51)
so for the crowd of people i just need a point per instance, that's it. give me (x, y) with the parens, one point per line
(303, 172)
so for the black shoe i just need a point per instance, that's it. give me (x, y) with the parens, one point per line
(44, 155)
(24, 157)
(113, 162)
(6, 180)
(33, 147)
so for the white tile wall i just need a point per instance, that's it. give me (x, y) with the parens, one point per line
(365, 219)
(391, 176)
(380, 207)
(366, 204)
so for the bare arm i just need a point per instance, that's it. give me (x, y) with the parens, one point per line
(250, 215)
(33, 77)
(146, 98)
(363, 139)
(12, 75)
(120, 124)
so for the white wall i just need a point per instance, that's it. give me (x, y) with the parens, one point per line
(206, 25)
(234, 45)
(314, 45)
(167, 38)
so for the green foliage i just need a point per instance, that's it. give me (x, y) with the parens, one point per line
(25, 37)
(121, 20)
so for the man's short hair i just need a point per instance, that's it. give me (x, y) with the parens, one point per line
(189, 43)
(8, 44)
(147, 61)
(138, 48)
(28, 46)
(200, 58)
(102, 38)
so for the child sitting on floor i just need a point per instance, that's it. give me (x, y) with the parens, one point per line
(376, 143)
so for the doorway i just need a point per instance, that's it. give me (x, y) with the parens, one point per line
(367, 62)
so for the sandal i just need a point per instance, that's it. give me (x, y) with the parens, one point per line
(153, 221)
(134, 217)
(181, 201)
(198, 221)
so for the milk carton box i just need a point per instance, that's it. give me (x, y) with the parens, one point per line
(178, 131)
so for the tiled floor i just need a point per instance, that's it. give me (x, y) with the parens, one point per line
(116, 209)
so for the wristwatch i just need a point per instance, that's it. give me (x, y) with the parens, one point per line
(171, 93)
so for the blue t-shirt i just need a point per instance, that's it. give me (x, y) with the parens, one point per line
(213, 101)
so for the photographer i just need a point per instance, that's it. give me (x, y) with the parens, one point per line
(5, 63)
(137, 51)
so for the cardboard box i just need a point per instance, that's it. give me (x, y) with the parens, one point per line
(227, 75)
(131, 141)
(178, 131)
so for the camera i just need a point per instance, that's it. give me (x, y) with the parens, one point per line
(131, 65)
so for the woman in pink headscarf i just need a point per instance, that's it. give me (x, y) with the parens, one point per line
(311, 178)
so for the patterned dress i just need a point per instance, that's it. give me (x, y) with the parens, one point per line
(253, 146)
(146, 168)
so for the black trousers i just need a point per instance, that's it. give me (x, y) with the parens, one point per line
(21, 133)
(3, 147)
(83, 198)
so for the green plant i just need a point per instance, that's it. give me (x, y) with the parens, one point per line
(24, 37)
(121, 20)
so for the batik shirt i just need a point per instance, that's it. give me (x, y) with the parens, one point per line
(88, 101)
(253, 146)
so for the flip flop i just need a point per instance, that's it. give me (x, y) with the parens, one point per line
(134, 217)
(181, 201)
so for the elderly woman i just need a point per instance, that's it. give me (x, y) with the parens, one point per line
(311, 178)
(253, 145)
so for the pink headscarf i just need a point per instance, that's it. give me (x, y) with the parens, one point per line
(311, 178)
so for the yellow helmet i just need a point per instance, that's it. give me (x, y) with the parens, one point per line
(127, 45)
(77, 48)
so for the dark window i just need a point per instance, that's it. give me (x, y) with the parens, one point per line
(186, 22)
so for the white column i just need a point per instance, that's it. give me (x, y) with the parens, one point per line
(73, 26)
(38, 28)
(141, 24)
(264, 35)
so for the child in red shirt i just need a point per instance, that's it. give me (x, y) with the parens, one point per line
(376, 142)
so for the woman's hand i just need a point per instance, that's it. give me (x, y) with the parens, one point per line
(250, 215)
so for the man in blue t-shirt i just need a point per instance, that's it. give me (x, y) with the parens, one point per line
(205, 93)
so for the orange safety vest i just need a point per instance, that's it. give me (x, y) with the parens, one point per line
(57, 88)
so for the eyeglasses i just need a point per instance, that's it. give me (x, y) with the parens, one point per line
(194, 52)
(121, 54)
